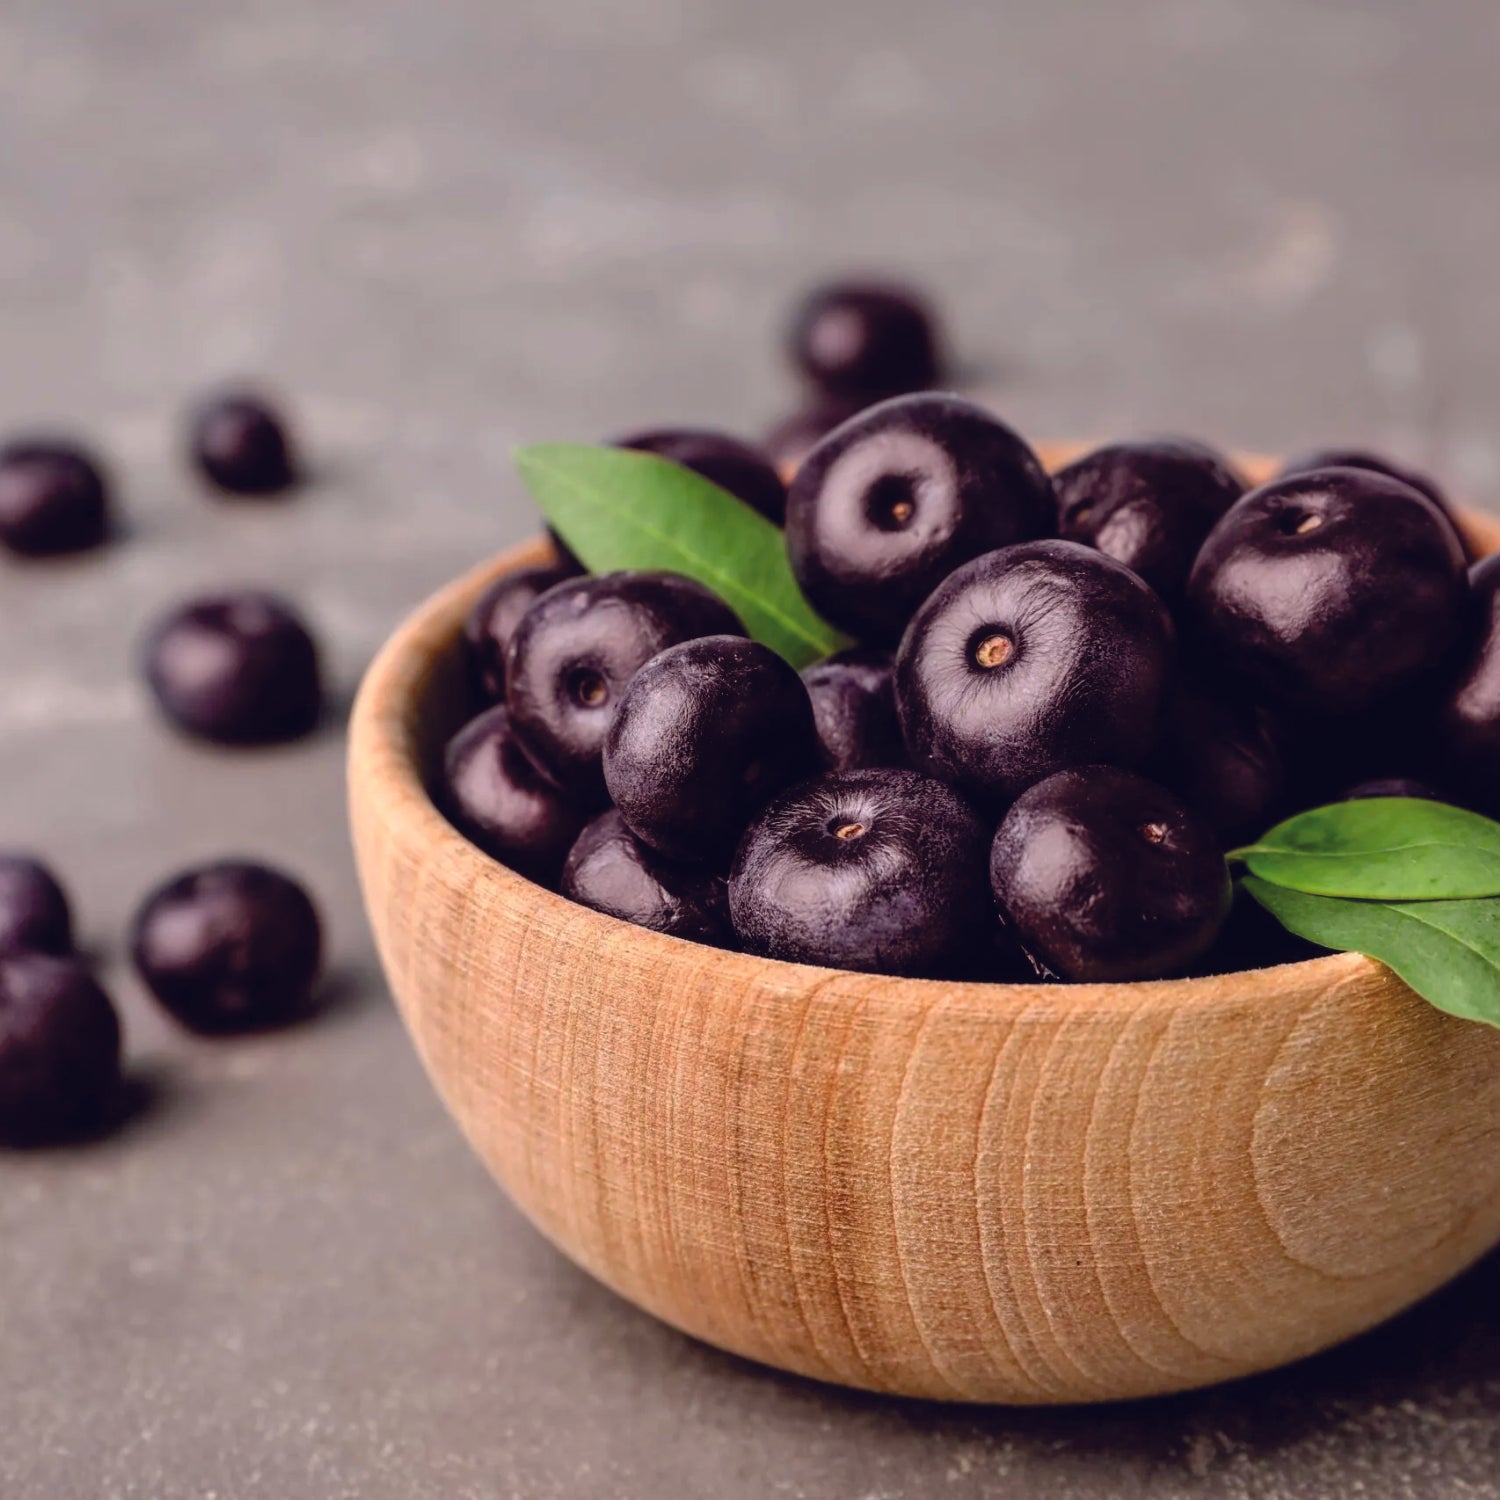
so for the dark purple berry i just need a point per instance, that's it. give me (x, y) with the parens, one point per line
(1329, 593)
(876, 870)
(723, 460)
(1103, 876)
(789, 442)
(853, 339)
(499, 800)
(240, 444)
(237, 669)
(1252, 938)
(492, 623)
(573, 656)
(1226, 757)
(59, 1050)
(854, 706)
(1029, 660)
(612, 871)
(889, 504)
(706, 734)
(34, 914)
(1393, 740)
(1360, 458)
(1148, 505)
(54, 498)
(1468, 721)
(230, 947)
(1393, 786)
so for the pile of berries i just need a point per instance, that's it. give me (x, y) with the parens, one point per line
(1071, 693)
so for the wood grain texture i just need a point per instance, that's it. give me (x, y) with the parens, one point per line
(970, 1192)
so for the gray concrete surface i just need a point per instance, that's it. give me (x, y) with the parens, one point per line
(443, 226)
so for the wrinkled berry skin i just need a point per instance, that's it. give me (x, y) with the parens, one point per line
(1105, 877)
(1227, 759)
(492, 622)
(240, 444)
(236, 669)
(858, 339)
(1148, 505)
(499, 799)
(706, 734)
(889, 504)
(1468, 720)
(1029, 660)
(789, 442)
(877, 870)
(854, 706)
(34, 913)
(54, 498)
(575, 652)
(612, 871)
(59, 1050)
(1329, 593)
(230, 947)
(722, 460)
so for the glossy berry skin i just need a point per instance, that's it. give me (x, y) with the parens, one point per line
(789, 442)
(864, 339)
(1226, 757)
(229, 947)
(491, 624)
(723, 460)
(612, 871)
(240, 444)
(854, 707)
(54, 498)
(1105, 877)
(1361, 458)
(34, 914)
(889, 504)
(236, 669)
(501, 801)
(876, 870)
(1148, 505)
(1468, 720)
(1329, 593)
(59, 1050)
(575, 652)
(1030, 660)
(707, 733)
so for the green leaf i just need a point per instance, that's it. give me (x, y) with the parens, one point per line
(1382, 849)
(617, 508)
(1447, 951)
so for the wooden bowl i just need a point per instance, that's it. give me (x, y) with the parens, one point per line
(967, 1192)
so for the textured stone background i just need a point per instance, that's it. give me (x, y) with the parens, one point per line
(447, 225)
